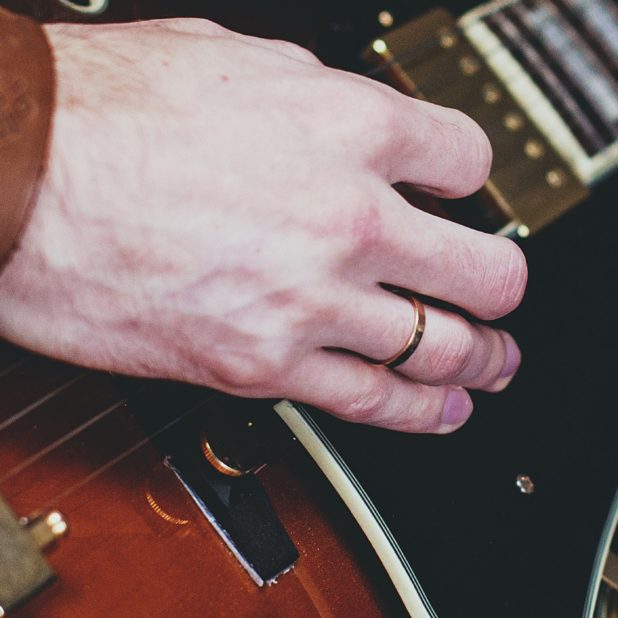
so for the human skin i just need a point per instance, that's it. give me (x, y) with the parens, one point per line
(218, 209)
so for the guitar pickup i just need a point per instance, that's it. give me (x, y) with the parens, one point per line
(431, 58)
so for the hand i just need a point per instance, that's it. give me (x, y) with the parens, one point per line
(218, 209)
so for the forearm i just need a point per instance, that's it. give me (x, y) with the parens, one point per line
(26, 94)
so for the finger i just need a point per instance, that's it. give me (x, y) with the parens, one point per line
(485, 275)
(438, 149)
(451, 350)
(354, 390)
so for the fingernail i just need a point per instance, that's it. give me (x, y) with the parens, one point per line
(457, 407)
(513, 357)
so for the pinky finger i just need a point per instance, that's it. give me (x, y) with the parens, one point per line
(357, 391)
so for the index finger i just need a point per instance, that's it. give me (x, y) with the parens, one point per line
(437, 149)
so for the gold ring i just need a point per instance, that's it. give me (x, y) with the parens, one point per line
(418, 327)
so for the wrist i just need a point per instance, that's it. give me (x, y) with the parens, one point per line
(26, 97)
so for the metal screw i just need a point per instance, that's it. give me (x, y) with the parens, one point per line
(555, 178)
(447, 38)
(469, 65)
(525, 484)
(513, 121)
(534, 149)
(491, 93)
(379, 46)
(385, 19)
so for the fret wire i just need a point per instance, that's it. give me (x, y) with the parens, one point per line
(506, 30)
(54, 502)
(33, 406)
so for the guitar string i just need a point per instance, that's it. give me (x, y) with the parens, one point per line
(118, 458)
(16, 365)
(26, 463)
(33, 406)
(383, 67)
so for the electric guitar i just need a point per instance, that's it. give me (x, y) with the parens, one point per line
(121, 497)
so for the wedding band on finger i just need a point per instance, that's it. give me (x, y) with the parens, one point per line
(418, 327)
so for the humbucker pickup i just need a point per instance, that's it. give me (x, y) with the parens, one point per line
(537, 174)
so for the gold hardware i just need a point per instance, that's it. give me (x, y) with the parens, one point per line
(525, 484)
(555, 178)
(385, 19)
(156, 507)
(379, 46)
(45, 529)
(534, 149)
(491, 93)
(447, 38)
(513, 121)
(469, 65)
(220, 465)
(549, 192)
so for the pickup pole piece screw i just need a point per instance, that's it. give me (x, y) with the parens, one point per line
(525, 484)
(534, 149)
(385, 18)
(469, 65)
(491, 93)
(555, 178)
(447, 38)
(513, 121)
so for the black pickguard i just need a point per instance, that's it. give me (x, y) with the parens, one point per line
(478, 545)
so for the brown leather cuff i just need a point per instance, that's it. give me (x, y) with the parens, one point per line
(26, 99)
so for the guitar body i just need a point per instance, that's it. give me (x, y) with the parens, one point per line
(479, 545)
(137, 544)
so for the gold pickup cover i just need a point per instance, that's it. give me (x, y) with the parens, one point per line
(430, 58)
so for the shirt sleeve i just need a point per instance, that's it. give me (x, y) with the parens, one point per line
(26, 101)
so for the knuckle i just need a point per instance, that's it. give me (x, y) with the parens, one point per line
(296, 51)
(246, 374)
(366, 230)
(424, 414)
(480, 154)
(466, 146)
(383, 119)
(371, 115)
(453, 358)
(368, 404)
(508, 281)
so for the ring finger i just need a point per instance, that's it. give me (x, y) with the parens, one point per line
(451, 350)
